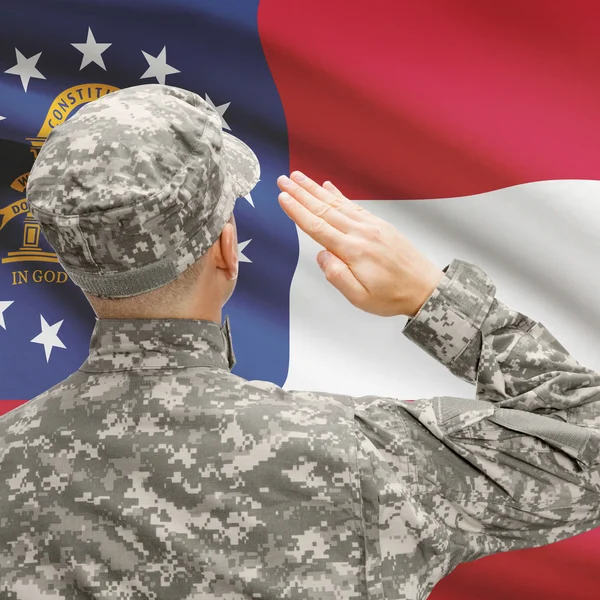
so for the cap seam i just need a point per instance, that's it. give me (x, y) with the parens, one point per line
(84, 243)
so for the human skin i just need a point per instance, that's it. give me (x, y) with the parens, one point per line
(373, 265)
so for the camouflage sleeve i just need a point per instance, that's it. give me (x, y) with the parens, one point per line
(514, 361)
(519, 465)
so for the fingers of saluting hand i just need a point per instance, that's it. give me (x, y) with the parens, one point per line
(316, 227)
(317, 200)
(318, 219)
(329, 194)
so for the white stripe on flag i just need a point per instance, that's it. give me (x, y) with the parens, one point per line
(540, 243)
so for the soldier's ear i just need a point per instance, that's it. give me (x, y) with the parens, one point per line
(226, 252)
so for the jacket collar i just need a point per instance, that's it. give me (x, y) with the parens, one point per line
(142, 344)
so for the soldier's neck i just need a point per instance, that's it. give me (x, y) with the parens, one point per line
(195, 312)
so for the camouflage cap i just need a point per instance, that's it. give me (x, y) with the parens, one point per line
(137, 186)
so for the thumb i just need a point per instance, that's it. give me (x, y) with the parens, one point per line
(340, 276)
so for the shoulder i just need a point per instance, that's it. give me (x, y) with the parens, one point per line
(28, 415)
(292, 404)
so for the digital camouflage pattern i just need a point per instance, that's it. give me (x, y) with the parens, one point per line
(137, 186)
(153, 472)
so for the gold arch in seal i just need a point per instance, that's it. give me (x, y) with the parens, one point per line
(64, 104)
(60, 110)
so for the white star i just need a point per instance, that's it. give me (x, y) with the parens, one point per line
(241, 247)
(3, 306)
(248, 197)
(92, 51)
(49, 337)
(25, 68)
(158, 67)
(2, 118)
(221, 110)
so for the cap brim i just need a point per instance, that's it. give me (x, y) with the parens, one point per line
(243, 167)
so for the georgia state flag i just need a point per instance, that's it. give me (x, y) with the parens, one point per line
(472, 126)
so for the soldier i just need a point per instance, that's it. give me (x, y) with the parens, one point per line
(153, 472)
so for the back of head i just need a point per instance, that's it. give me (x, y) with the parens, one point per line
(136, 187)
(177, 299)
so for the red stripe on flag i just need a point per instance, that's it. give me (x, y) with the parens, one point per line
(8, 405)
(436, 99)
(565, 570)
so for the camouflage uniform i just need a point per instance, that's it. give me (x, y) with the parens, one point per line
(155, 473)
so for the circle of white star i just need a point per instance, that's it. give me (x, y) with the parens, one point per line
(221, 110)
(158, 67)
(248, 197)
(241, 247)
(3, 306)
(49, 337)
(92, 51)
(25, 68)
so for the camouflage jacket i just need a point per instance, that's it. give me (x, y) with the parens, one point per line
(155, 473)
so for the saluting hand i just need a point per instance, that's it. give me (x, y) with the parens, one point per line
(375, 267)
